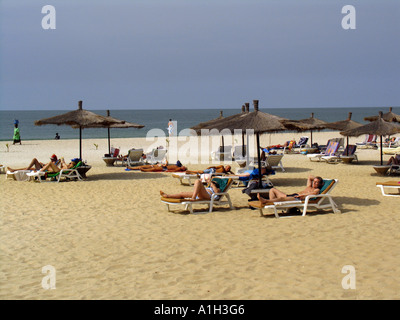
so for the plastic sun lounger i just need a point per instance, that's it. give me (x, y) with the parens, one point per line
(275, 161)
(216, 199)
(156, 155)
(71, 173)
(389, 185)
(339, 157)
(19, 175)
(321, 201)
(134, 157)
(222, 154)
(388, 150)
(183, 176)
(331, 149)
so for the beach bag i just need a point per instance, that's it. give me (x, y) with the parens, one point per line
(293, 211)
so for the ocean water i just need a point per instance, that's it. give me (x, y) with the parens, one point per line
(158, 119)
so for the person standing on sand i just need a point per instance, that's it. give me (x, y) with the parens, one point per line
(170, 127)
(16, 136)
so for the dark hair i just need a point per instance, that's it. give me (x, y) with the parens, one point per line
(321, 181)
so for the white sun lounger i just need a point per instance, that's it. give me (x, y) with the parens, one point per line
(321, 201)
(395, 185)
(216, 199)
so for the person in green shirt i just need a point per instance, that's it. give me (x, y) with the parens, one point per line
(16, 137)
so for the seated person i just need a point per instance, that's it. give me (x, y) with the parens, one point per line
(314, 184)
(213, 169)
(394, 160)
(35, 164)
(52, 167)
(265, 152)
(200, 192)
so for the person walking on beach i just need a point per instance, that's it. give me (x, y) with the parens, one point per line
(170, 127)
(57, 137)
(17, 135)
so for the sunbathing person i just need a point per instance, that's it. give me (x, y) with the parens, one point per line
(394, 160)
(52, 167)
(253, 174)
(164, 168)
(200, 192)
(212, 169)
(314, 184)
(159, 168)
(35, 164)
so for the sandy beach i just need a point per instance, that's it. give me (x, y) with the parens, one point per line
(110, 237)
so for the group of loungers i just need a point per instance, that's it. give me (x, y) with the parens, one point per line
(55, 170)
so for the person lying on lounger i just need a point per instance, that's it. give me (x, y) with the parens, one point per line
(314, 184)
(253, 174)
(200, 192)
(213, 169)
(394, 160)
(159, 168)
(37, 165)
(52, 167)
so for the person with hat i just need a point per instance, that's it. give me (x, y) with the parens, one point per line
(17, 135)
(52, 166)
(37, 165)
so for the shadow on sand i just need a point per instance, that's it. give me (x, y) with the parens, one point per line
(294, 169)
(129, 175)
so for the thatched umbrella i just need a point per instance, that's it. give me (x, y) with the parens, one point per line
(202, 125)
(344, 125)
(389, 117)
(80, 118)
(216, 121)
(123, 125)
(311, 124)
(258, 121)
(378, 127)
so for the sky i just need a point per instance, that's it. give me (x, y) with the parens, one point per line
(198, 54)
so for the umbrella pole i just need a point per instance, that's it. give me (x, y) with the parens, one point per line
(109, 148)
(242, 143)
(223, 149)
(80, 142)
(311, 138)
(381, 152)
(347, 149)
(259, 161)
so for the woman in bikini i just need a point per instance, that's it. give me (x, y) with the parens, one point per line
(200, 192)
(213, 169)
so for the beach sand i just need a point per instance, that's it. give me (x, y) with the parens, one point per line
(110, 237)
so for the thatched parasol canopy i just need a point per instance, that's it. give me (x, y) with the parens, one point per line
(123, 125)
(344, 125)
(305, 125)
(389, 117)
(378, 127)
(258, 121)
(80, 118)
(201, 125)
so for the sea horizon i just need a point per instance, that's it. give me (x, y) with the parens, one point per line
(158, 119)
